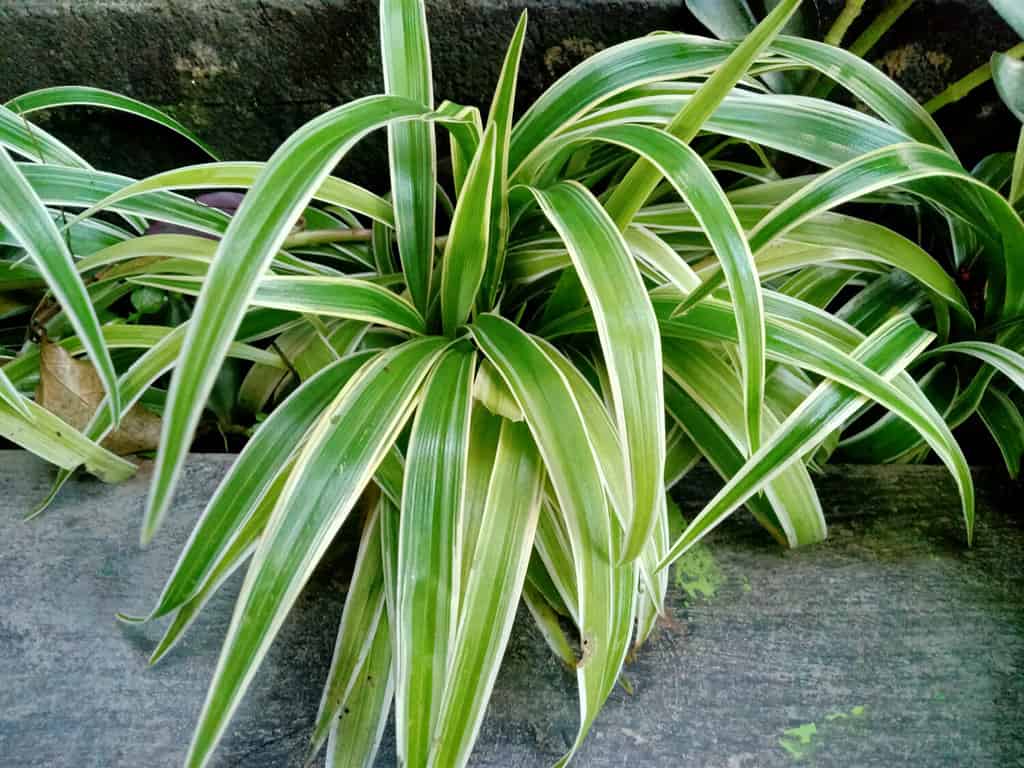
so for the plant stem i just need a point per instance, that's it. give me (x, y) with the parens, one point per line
(327, 236)
(1017, 181)
(820, 87)
(882, 23)
(842, 23)
(969, 82)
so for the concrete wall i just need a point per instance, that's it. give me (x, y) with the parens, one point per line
(245, 73)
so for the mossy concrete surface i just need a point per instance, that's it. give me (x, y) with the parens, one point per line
(245, 73)
(892, 644)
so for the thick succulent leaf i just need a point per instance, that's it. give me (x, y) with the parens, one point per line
(630, 343)
(499, 119)
(430, 553)
(465, 251)
(887, 351)
(361, 620)
(264, 456)
(331, 471)
(606, 592)
(80, 95)
(346, 297)
(255, 234)
(492, 594)
(405, 51)
(22, 212)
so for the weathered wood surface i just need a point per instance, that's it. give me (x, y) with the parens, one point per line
(891, 645)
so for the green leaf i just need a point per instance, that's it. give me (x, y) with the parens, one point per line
(639, 182)
(238, 550)
(361, 619)
(346, 297)
(728, 19)
(240, 175)
(1005, 360)
(499, 119)
(865, 81)
(255, 234)
(887, 351)
(357, 733)
(606, 592)
(713, 387)
(405, 51)
(465, 131)
(690, 177)
(331, 471)
(79, 95)
(10, 395)
(611, 71)
(1006, 425)
(33, 143)
(628, 332)
(719, 449)
(1012, 12)
(465, 251)
(269, 450)
(22, 212)
(499, 567)
(429, 552)
(47, 436)
(484, 431)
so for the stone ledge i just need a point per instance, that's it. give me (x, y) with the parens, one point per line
(889, 645)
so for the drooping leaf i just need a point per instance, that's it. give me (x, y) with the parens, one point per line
(405, 51)
(627, 329)
(255, 234)
(23, 214)
(78, 95)
(428, 592)
(496, 579)
(331, 471)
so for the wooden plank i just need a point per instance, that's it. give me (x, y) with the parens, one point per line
(890, 645)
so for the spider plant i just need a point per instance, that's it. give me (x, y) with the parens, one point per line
(497, 382)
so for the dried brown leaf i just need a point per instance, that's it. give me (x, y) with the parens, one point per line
(72, 390)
